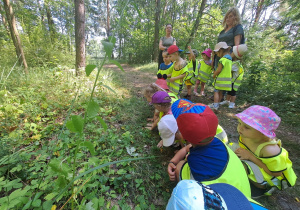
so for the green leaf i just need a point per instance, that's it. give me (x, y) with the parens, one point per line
(137, 9)
(17, 193)
(90, 146)
(108, 47)
(109, 88)
(57, 166)
(117, 64)
(104, 125)
(101, 201)
(47, 204)
(50, 196)
(36, 203)
(75, 124)
(112, 39)
(89, 69)
(92, 109)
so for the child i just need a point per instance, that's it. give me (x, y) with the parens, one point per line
(192, 195)
(159, 85)
(266, 162)
(165, 68)
(167, 125)
(192, 64)
(237, 72)
(209, 160)
(222, 76)
(179, 72)
(204, 71)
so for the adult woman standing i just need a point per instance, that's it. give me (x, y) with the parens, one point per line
(165, 42)
(233, 32)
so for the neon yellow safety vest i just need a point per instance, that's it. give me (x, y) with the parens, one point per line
(238, 80)
(234, 174)
(280, 162)
(176, 86)
(191, 70)
(173, 97)
(166, 71)
(223, 80)
(204, 72)
(221, 134)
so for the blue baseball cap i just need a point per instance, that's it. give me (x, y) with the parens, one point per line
(190, 194)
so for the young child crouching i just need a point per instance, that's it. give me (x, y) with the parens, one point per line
(208, 159)
(266, 162)
(167, 125)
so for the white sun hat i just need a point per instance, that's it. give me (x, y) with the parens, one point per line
(221, 45)
(240, 50)
(167, 127)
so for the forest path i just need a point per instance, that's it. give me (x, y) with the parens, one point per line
(136, 80)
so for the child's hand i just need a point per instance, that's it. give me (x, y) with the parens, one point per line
(171, 172)
(243, 154)
(160, 144)
(189, 47)
(149, 128)
(172, 79)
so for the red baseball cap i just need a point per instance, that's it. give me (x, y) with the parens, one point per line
(173, 48)
(162, 83)
(195, 121)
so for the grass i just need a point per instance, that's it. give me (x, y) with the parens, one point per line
(38, 151)
(39, 154)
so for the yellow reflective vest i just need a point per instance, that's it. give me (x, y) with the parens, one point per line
(191, 72)
(223, 80)
(238, 79)
(277, 163)
(204, 72)
(176, 86)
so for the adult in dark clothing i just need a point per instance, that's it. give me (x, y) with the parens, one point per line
(233, 32)
(165, 42)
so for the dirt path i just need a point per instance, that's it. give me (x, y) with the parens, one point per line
(136, 80)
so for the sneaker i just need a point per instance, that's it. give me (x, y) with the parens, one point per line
(214, 106)
(231, 105)
(224, 102)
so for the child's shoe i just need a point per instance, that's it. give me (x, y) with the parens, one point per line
(224, 102)
(231, 105)
(214, 106)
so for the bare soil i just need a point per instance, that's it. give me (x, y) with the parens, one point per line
(136, 80)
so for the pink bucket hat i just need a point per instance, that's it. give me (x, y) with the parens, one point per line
(207, 52)
(162, 83)
(261, 118)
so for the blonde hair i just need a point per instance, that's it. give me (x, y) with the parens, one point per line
(235, 13)
(151, 89)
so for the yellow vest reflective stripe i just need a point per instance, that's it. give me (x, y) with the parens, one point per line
(221, 134)
(176, 86)
(275, 163)
(166, 71)
(237, 81)
(204, 72)
(223, 80)
(190, 70)
(234, 174)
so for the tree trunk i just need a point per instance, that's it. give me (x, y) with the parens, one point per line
(15, 34)
(258, 10)
(156, 32)
(4, 20)
(41, 11)
(244, 9)
(79, 35)
(107, 19)
(197, 22)
(50, 22)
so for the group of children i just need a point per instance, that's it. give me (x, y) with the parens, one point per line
(257, 165)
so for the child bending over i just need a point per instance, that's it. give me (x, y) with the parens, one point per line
(266, 162)
(207, 159)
